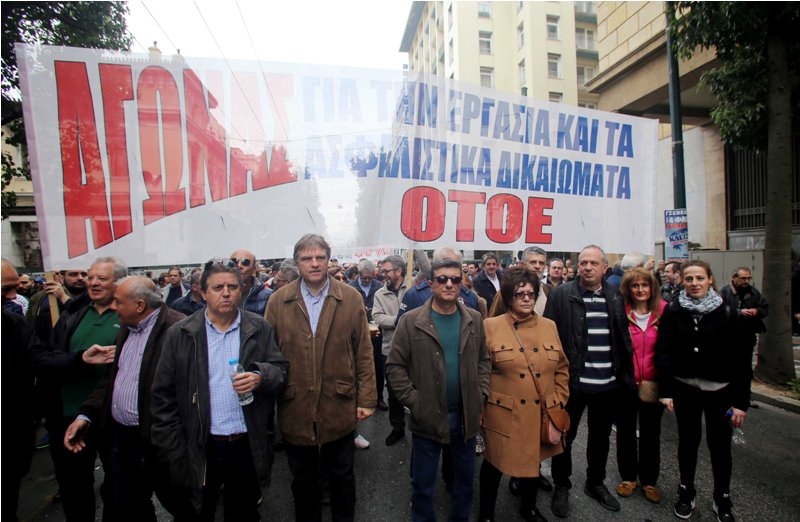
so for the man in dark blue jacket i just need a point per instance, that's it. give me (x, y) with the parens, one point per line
(255, 294)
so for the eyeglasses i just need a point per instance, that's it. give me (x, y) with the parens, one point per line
(244, 261)
(523, 295)
(443, 279)
(387, 272)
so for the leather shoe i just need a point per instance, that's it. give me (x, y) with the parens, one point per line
(394, 437)
(601, 494)
(626, 488)
(560, 505)
(382, 405)
(513, 486)
(652, 494)
(544, 484)
(531, 515)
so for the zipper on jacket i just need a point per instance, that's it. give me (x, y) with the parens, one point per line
(196, 400)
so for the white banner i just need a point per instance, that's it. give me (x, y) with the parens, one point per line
(176, 160)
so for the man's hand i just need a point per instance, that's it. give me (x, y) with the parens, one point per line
(246, 382)
(56, 290)
(668, 404)
(74, 436)
(749, 312)
(97, 354)
(364, 413)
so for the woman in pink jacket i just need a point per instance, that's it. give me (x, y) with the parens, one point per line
(643, 306)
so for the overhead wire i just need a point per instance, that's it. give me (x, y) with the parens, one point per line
(159, 26)
(263, 73)
(227, 62)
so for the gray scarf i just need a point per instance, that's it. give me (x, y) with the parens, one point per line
(701, 306)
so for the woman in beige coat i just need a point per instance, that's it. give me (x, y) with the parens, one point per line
(511, 421)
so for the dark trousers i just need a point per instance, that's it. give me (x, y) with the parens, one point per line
(335, 458)
(133, 474)
(377, 356)
(74, 472)
(601, 408)
(639, 459)
(490, 482)
(424, 468)
(230, 464)
(691, 405)
(397, 414)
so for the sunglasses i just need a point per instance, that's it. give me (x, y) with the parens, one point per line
(244, 261)
(443, 279)
(522, 295)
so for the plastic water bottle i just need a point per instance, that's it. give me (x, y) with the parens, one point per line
(737, 436)
(236, 368)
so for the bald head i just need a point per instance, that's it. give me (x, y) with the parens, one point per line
(10, 281)
(245, 262)
(135, 298)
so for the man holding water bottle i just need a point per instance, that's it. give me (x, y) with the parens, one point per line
(201, 430)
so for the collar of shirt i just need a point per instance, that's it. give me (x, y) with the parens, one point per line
(233, 326)
(145, 323)
(306, 291)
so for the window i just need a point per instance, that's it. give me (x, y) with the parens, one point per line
(587, 105)
(485, 42)
(487, 77)
(552, 27)
(450, 51)
(519, 6)
(521, 71)
(484, 10)
(584, 39)
(556, 97)
(450, 16)
(585, 74)
(584, 7)
(553, 65)
(520, 36)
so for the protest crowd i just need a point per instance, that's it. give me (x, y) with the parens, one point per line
(187, 383)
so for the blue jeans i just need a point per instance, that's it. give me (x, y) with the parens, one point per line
(424, 468)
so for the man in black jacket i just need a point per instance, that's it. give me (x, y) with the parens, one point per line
(119, 409)
(750, 305)
(591, 322)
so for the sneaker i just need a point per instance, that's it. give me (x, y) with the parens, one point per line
(480, 446)
(652, 494)
(560, 505)
(602, 495)
(626, 488)
(361, 442)
(394, 437)
(722, 508)
(685, 504)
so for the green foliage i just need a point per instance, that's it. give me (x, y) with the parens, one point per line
(794, 385)
(101, 25)
(740, 32)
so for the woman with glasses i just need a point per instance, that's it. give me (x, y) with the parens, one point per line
(523, 347)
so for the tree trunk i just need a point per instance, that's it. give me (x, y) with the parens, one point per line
(775, 353)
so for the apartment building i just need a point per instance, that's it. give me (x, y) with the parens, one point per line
(545, 50)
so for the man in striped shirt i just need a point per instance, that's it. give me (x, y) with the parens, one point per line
(590, 317)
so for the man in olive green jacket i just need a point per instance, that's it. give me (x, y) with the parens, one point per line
(439, 368)
(321, 327)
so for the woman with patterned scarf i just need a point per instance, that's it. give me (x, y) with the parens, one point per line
(703, 370)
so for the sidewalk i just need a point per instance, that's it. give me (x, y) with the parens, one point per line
(775, 396)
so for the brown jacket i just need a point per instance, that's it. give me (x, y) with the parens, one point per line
(512, 415)
(331, 372)
(415, 371)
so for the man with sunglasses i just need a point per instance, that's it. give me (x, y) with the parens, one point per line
(176, 287)
(255, 294)
(439, 368)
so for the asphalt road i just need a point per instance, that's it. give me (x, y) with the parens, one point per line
(765, 485)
